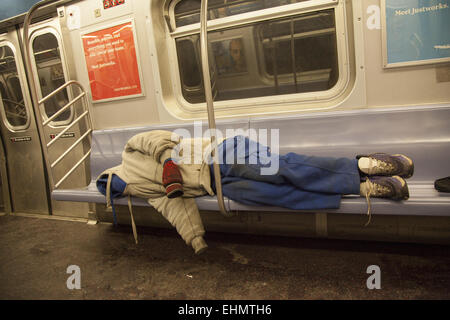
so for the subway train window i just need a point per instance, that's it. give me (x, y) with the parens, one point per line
(287, 55)
(190, 72)
(51, 75)
(14, 109)
(187, 12)
(284, 45)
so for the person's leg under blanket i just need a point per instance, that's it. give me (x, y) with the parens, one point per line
(258, 193)
(308, 173)
(302, 182)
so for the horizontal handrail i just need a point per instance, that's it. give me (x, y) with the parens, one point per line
(67, 128)
(69, 104)
(13, 114)
(73, 169)
(71, 148)
(45, 51)
(54, 92)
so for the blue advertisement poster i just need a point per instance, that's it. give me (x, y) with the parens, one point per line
(417, 31)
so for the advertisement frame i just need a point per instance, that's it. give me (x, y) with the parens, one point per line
(384, 44)
(138, 60)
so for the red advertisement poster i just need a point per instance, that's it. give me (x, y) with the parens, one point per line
(111, 62)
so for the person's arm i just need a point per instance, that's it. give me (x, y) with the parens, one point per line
(183, 214)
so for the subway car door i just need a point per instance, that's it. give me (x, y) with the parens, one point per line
(22, 149)
(51, 70)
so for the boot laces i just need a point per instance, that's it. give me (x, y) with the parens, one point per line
(378, 190)
(383, 166)
(374, 189)
(368, 194)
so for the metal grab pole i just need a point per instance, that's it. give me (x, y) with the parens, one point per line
(209, 104)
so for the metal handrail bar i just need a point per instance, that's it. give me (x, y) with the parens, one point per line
(70, 148)
(294, 68)
(69, 104)
(86, 103)
(13, 114)
(51, 94)
(67, 128)
(73, 169)
(45, 51)
(210, 106)
(273, 50)
(300, 35)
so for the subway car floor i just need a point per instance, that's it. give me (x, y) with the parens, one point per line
(35, 254)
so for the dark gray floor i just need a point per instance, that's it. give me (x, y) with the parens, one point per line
(35, 254)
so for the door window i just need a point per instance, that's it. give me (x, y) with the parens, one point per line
(50, 71)
(14, 109)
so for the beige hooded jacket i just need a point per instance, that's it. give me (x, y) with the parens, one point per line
(142, 167)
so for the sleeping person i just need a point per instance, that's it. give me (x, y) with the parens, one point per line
(157, 167)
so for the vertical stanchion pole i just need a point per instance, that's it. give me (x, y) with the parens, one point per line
(209, 103)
